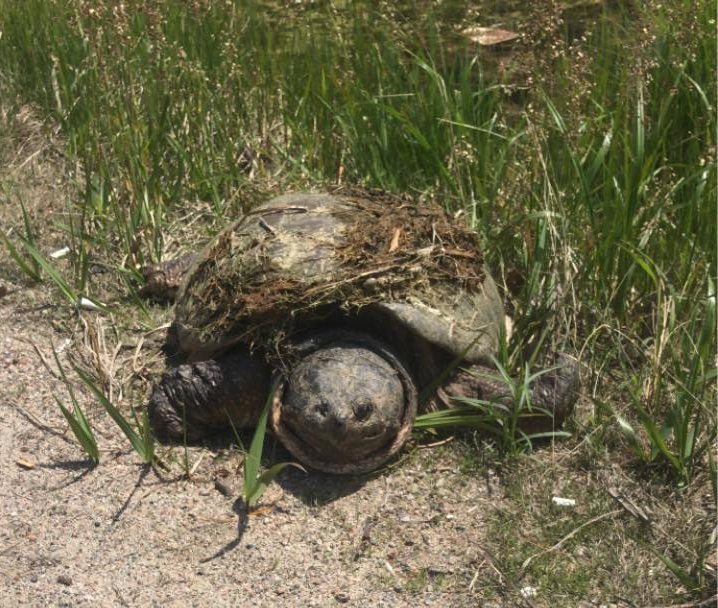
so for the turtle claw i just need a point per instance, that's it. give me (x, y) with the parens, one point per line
(194, 400)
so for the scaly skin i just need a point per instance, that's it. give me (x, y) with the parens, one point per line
(196, 400)
(554, 392)
(203, 397)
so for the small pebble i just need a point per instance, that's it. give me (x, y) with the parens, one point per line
(342, 598)
(370, 285)
(224, 488)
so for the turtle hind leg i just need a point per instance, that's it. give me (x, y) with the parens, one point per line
(554, 392)
(195, 400)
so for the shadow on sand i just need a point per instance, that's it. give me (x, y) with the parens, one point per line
(242, 524)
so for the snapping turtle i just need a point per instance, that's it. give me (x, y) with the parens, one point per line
(359, 300)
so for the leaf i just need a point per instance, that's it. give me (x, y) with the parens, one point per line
(418, 135)
(69, 292)
(460, 417)
(630, 434)
(81, 431)
(24, 266)
(658, 441)
(680, 573)
(430, 388)
(79, 424)
(252, 460)
(266, 478)
(62, 375)
(29, 236)
(548, 435)
(147, 436)
(489, 407)
(599, 158)
(640, 128)
(557, 118)
(714, 475)
(255, 486)
(135, 440)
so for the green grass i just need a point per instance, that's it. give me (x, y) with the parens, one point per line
(593, 195)
(77, 420)
(586, 164)
(139, 435)
(501, 418)
(255, 480)
(603, 551)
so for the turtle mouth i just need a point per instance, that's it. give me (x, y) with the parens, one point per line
(337, 444)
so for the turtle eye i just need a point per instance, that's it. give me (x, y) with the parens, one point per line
(322, 409)
(363, 411)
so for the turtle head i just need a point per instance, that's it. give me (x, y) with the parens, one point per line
(346, 404)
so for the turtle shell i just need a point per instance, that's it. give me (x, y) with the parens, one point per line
(299, 259)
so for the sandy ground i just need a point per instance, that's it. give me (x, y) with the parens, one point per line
(122, 535)
(424, 532)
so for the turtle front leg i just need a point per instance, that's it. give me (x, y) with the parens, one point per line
(554, 392)
(195, 400)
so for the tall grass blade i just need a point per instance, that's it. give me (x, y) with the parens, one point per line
(29, 234)
(82, 430)
(79, 424)
(29, 268)
(265, 478)
(71, 295)
(140, 444)
(255, 484)
(691, 583)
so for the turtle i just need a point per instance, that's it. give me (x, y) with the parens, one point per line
(365, 307)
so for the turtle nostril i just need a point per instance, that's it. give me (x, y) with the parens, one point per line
(339, 423)
(363, 411)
